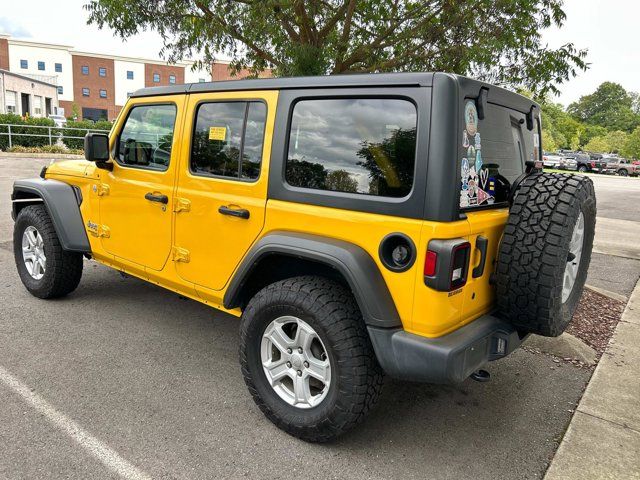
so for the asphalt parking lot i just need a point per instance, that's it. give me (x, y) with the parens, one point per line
(127, 374)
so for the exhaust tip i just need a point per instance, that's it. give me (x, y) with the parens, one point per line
(481, 376)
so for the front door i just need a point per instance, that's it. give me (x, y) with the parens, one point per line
(222, 185)
(136, 197)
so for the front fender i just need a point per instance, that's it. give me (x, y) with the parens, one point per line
(62, 203)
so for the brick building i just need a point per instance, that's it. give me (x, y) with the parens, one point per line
(96, 86)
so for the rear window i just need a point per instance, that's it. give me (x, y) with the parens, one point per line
(493, 154)
(356, 145)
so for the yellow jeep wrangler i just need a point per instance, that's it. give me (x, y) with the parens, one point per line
(358, 225)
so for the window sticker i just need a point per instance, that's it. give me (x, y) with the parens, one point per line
(218, 133)
(477, 185)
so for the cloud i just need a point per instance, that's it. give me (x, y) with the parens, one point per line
(13, 28)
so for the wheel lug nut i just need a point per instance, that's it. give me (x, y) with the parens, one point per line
(289, 351)
(306, 364)
(288, 364)
(299, 349)
(299, 373)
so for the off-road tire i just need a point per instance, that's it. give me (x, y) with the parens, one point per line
(64, 269)
(330, 309)
(535, 249)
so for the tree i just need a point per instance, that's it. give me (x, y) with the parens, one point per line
(616, 141)
(631, 147)
(497, 41)
(341, 181)
(597, 144)
(610, 106)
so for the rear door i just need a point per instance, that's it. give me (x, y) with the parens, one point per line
(222, 184)
(494, 153)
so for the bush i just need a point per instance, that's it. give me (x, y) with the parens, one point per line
(25, 141)
(45, 149)
(71, 131)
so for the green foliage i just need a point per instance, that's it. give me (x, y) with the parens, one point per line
(597, 144)
(74, 129)
(631, 147)
(548, 142)
(45, 149)
(25, 141)
(610, 106)
(497, 41)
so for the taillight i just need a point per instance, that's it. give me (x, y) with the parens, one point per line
(430, 262)
(593, 164)
(446, 264)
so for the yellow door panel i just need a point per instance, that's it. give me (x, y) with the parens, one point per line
(136, 197)
(220, 204)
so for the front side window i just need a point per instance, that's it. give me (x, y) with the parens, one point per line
(58, 67)
(228, 139)
(146, 137)
(41, 66)
(24, 64)
(102, 71)
(355, 145)
(85, 70)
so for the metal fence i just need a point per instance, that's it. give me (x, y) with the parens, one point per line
(53, 134)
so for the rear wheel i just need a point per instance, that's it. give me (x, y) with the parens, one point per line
(623, 173)
(307, 359)
(545, 252)
(582, 169)
(46, 270)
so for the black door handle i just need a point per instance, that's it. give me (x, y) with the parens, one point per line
(157, 198)
(234, 212)
(481, 244)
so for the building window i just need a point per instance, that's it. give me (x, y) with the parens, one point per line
(201, 80)
(103, 94)
(41, 66)
(156, 78)
(129, 74)
(85, 70)
(10, 99)
(58, 67)
(60, 90)
(37, 105)
(85, 92)
(102, 72)
(129, 94)
(172, 79)
(24, 64)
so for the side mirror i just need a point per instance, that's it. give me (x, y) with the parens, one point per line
(96, 147)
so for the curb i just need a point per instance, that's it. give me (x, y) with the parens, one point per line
(603, 438)
(57, 156)
(607, 293)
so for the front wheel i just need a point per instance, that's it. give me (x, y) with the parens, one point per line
(623, 173)
(307, 359)
(582, 169)
(46, 270)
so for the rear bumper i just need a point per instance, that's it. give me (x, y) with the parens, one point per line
(447, 359)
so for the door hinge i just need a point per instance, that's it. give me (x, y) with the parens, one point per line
(182, 205)
(101, 189)
(101, 231)
(181, 255)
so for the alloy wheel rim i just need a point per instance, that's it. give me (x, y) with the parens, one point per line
(295, 362)
(35, 260)
(573, 259)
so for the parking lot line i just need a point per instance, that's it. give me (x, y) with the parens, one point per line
(96, 448)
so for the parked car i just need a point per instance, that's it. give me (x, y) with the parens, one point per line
(568, 163)
(551, 160)
(59, 120)
(623, 167)
(319, 211)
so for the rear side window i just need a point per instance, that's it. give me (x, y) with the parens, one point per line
(493, 154)
(228, 139)
(356, 145)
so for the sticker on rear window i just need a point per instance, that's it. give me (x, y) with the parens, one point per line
(477, 185)
(471, 117)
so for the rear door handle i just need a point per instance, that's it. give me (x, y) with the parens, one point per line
(234, 212)
(481, 244)
(157, 198)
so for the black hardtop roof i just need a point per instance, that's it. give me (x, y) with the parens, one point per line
(466, 86)
(285, 83)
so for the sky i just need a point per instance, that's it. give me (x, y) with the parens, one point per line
(607, 28)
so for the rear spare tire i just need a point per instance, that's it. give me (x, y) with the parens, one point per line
(545, 252)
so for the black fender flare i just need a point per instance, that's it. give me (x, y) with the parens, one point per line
(356, 266)
(63, 204)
